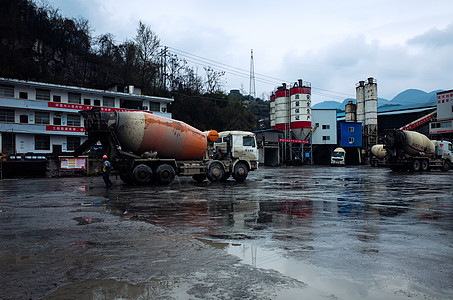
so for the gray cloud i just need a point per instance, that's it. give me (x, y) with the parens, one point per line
(434, 37)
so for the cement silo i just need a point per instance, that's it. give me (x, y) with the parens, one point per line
(360, 101)
(272, 110)
(282, 108)
(350, 112)
(300, 109)
(371, 122)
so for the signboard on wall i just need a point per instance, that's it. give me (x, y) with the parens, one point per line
(293, 141)
(71, 163)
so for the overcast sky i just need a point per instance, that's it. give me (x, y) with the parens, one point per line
(332, 44)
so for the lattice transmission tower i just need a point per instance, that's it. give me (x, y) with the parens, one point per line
(252, 92)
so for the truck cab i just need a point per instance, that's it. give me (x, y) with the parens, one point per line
(338, 157)
(239, 148)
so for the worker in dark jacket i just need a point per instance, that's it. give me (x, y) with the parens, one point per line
(106, 169)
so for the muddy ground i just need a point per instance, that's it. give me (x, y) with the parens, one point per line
(311, 232)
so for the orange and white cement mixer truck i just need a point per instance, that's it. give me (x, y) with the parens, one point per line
(145, 148)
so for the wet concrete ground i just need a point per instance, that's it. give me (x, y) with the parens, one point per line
(286, 233)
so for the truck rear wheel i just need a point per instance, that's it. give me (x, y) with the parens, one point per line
(165, 174)
(416, 165)
(240, 172)
(142, 174)
(216, 172)
(446, 166)
(424, 165)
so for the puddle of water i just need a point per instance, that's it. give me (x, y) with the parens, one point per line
(321, 282)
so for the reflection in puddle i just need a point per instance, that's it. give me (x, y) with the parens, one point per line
(321, 283)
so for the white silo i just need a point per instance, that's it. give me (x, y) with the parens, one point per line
(281, 108)
(360, 101)
(350, 110)
(272, 110)
(300, 109)
(371, 121)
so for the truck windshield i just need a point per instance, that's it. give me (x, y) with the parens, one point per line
(338, 154)
(248, 141)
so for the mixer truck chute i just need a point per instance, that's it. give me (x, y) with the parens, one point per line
(410, 150)
(144, 148)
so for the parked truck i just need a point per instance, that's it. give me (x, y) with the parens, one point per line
(411, 150)
(338, 157)
(145, 148)
(378, 156)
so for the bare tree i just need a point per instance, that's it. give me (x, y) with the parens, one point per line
(147, 44)
(213, 80)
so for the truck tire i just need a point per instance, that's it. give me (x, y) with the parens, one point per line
(165, 174)
(416, 165)
(240, 172)
(128, 179)
(199, 177)
(446, 166)
(424, 165)
(142, 174)
(216, 172)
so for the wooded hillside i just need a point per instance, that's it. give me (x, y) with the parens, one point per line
(38, 44)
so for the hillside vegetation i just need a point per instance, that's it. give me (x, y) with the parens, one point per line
(38, 44)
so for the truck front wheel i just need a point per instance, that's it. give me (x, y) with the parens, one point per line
(165, 174)
(240, 172)
(142, 174)
(216, 172)
(446, 166)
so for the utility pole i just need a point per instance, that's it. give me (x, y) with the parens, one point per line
(252, 91)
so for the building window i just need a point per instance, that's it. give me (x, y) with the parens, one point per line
(325, 127)
(73, 120)
(296, 96)
(7, 115)
(153, 106)
(42, 142)
(446, 124)
(7, 91)
(435, 125)
(43, 95)
(97, 102)
(296, 110)
(74, 98)
(87, 101)
(57, 119)
(56, 98)
(351, 129)
(23, 95)
(297, 103)
(326, 138)
(73, 142)
(23, 119)
(351, 140)
(42, 117)
(109, 101)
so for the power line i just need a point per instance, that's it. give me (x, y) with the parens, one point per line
(235, 71)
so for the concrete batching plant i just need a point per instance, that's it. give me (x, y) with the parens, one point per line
(290, 112)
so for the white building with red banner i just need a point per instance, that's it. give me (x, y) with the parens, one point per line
(37, 119)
